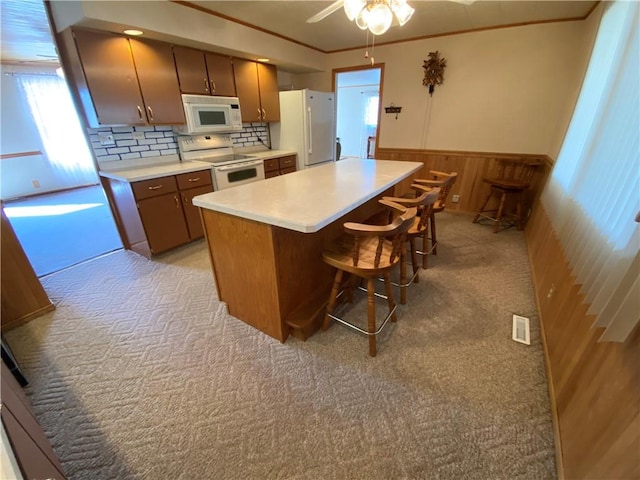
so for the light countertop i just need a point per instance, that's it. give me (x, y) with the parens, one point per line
(146, 169)
(265, 154)
(310, 199)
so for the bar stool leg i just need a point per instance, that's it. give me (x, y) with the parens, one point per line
(434, 240)
(371, 314)
(389, 291)
(496, 226)
(414, 259)
(484, 205)
(332, 299)
(425, 248)
(403, 278)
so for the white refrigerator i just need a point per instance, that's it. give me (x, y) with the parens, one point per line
(307, 126)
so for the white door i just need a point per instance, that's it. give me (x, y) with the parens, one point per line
(320, 132)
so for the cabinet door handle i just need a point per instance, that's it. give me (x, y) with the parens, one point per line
(155, 187)
(177, 201)
(150, 113)
(206, 85)
(213, 87)
(139, 112)
(264, 115)
(259, 114)
(194, 179)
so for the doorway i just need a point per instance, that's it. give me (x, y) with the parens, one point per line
(49, 187)
(358, 91)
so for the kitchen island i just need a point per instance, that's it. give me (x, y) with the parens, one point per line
(266, 238)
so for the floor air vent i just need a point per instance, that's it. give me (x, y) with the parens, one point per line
(521, 330)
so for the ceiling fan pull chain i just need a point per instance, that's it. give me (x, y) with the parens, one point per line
(373, 49)
(366, 48)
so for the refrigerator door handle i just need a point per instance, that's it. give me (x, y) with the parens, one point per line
(310, 149)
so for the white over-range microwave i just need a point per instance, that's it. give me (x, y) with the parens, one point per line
(208, 114)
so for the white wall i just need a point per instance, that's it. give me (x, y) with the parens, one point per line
(19, 134)
(506, 90)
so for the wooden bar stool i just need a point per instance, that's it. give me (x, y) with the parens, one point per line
(424, 203)
(367, 252)
(444, 181)
(511, 177)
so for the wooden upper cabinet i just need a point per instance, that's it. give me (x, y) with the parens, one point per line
(204, 73)
(130, 81)
(257, 88)
(158, 82)
(220, 70)
(246, 75)
(269, 96)
(192, 70)
(111, 77)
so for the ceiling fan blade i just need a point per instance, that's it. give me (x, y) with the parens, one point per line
(322, 14)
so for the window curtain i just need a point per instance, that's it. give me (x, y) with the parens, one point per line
(60, 131)
(593, 194)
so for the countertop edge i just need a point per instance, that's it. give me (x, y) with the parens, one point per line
(149, 173)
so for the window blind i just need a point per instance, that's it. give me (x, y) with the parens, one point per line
(593, 195)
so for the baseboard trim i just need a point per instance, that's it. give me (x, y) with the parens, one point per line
(27, 318)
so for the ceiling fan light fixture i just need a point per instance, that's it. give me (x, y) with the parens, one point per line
(402, 10)
(362, 20)
(352, 8)
(379, 18)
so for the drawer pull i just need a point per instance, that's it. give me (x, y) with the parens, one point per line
(194, 179)
(155, 187)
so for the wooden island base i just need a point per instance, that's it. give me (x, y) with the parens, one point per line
(271, 277)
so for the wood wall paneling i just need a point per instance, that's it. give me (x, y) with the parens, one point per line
(595, 387)
(471, 167)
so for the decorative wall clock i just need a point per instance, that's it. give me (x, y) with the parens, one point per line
(433, 70)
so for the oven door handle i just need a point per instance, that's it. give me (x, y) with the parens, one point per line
(238, 166)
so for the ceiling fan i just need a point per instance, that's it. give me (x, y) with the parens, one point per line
(354, 7)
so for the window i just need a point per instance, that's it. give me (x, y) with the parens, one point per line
(593, 195)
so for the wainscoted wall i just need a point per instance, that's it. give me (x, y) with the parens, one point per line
(594, 387)
(133, 142)
(471, 167)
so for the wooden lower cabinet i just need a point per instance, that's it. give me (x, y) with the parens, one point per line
(157, 215)
(163, 221)
(274, 167)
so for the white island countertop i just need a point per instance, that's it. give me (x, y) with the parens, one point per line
(310, 199)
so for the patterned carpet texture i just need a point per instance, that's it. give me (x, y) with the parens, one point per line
(140, 373)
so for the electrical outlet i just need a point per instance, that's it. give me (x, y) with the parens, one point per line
(36, 183)
(106, 138)
(455, 198)
(138, 135)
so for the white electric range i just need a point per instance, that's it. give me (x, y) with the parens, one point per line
(229, 169)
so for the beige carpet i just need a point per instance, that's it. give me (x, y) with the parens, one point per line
(141, 373)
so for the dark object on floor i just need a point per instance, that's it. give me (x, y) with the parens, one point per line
(12, 364)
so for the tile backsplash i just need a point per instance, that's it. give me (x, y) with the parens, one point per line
(152, 141)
